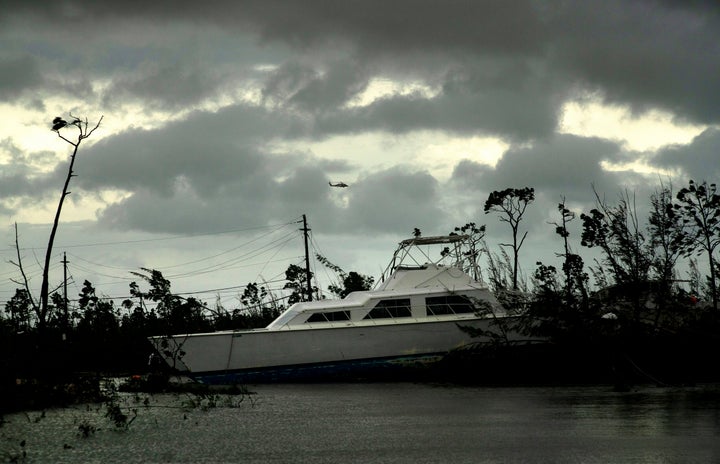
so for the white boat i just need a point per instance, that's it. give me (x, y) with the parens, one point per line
(412, 318)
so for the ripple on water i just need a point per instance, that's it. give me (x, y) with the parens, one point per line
(392, 423)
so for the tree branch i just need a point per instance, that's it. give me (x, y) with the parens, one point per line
(22, 270)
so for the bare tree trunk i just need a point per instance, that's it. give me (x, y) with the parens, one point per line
(44, 293)
(44, 289)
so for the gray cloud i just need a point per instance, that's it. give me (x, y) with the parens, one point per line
(644, 53)
(498, 68)
(697, 161)
(167, 86)
(19, 177)
(394, 200)
(504, 67)
(19, 75)
(398, 25)
(208, 149)
(562, 165)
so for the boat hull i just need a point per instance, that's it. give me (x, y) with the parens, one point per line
(317, 353)
(401, 367)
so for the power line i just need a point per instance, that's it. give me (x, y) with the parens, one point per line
(276, 245)
(224, 252)
(158, 239)
(249, 255)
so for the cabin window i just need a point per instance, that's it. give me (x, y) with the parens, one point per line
(331, 316)
(449, 304)
(386, 309)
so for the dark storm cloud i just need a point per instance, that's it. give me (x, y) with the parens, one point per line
(19, 176)
(15, 184)
(565, 162)
(461, 108)
(374, 24)
(564, 165)
(209, 149)
(471, 99)
(561, 169)
(642, 53)
(163, 65)
(645, 54)
(341, 83)
(209, 182)
(185, 211)
(306, 190)
(287, 80)
(284, 72)
(382, 202)
(501, 68)
(394, 200)
(255, 197)
(166, 86)
(378, 27)
(699, 160)
(19, 74)
(33, 68)
(212, 168)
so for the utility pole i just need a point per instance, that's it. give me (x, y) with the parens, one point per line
(65, 298)
(307, 258)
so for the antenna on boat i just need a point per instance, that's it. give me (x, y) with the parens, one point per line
(307, 258)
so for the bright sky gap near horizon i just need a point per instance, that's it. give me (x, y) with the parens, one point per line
(224, 122)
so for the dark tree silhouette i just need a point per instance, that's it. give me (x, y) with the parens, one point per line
(84, 131)
(181, 315)
(296, 278)
(575, 278)
(616, 231)
(698, 206)
(511, 204)
(348, 281)
(19, 309)
(667, 235)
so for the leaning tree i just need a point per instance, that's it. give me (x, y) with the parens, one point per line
(84, 130)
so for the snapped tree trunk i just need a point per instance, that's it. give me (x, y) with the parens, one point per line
(84, 133)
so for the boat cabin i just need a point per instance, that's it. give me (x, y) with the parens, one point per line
(426, 293)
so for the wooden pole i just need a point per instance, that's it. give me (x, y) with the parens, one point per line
(307, 258)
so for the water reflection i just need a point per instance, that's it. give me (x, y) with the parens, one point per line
(651, 411)
(392, 423)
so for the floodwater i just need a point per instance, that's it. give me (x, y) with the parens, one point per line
(386, 423)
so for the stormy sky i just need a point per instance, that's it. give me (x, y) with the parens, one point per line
(223, 123)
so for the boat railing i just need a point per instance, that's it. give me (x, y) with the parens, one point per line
(414, 253)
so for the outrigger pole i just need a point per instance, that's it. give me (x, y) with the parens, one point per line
(307, 258)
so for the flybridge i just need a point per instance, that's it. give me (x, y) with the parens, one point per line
(409, 253)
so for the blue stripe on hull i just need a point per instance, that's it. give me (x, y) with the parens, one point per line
(337, 370)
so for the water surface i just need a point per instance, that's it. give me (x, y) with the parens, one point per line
(391, 423)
